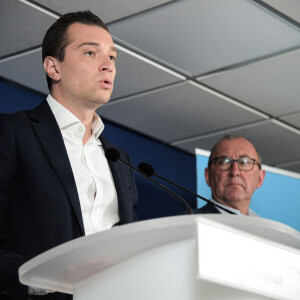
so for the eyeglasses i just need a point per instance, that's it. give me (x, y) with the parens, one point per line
(244, 163)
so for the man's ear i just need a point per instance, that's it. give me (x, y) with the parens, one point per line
(206, 173)
(52, 68)
(261, 177)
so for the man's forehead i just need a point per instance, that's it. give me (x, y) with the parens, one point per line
(78, 30)
(236, 147)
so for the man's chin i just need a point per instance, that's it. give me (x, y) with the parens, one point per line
(234, 195)
(99, 101)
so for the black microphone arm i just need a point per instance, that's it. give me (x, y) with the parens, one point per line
(113, 155)
(148, 170)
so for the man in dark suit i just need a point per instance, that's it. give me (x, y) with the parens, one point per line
(233, 173)
(55, 182)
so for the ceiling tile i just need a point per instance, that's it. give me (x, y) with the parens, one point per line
(290, 8)
(276, 143)
(293, 119)
(27, 70)
(271, 85)
(19, 30)
(107, 10)
(135, 74)
(176, 112)
(294, 167)
(202, 36)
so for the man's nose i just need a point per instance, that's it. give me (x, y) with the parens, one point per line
(234, 169)
(106, 64)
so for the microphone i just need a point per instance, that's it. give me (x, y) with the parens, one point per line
(113, 155)
(149, 171)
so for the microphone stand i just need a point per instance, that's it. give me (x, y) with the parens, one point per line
(114, 155)
(151, 172)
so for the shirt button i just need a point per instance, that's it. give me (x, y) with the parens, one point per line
(80, 128)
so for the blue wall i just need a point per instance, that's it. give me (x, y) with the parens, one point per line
(173, 164)
(14, 98)
(170, 163)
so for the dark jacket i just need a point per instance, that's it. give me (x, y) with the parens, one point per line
(207, 209)
(39, 203)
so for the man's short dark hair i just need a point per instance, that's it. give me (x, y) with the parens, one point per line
(56, 39)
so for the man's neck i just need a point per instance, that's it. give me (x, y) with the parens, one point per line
(242, 207)
(88, 132)
(84, 114)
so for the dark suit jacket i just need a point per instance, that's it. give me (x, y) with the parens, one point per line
(39, 203)
(207, 209)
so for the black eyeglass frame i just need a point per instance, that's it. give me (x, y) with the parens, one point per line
(255, 162)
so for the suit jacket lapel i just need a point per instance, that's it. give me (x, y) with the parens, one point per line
(52, 142)
(113, 166)
(119, 181)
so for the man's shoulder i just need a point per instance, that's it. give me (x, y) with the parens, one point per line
(21, 121)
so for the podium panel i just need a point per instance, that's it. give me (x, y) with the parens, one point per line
(155, 259)
(247, 262)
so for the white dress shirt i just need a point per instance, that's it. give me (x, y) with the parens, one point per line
(94, 181)
(236, 211)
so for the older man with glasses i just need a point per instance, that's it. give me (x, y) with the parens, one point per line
(233, 173)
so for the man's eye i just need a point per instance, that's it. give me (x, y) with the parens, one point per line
(90, 53)
(112, 58)
(244, 161)
(224, 161)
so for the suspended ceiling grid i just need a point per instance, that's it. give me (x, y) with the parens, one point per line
(188, 71)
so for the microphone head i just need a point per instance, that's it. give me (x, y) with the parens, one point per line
(112, 154)
(146, 169)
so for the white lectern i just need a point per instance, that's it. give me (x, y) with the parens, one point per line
(187, 257)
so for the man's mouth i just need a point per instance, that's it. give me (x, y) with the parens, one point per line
(234, 184)
(106, 83)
